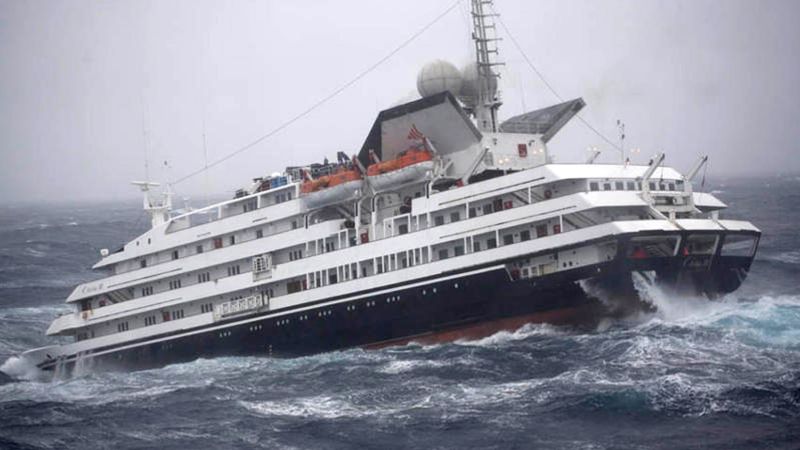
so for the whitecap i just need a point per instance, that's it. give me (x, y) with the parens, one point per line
(319, 407)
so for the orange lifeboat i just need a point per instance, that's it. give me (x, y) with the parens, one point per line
(412, 165)
(336, 187)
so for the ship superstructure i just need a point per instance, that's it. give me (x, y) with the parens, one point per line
(447, 223)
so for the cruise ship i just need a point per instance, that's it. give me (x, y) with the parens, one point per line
(448, 223)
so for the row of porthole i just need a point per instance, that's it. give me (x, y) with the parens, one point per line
(324, 313)
(425, 292)
(371, 303)
(256, 327)
(392, 299)
(282, 322)
(224, 334)
(351, 307)
(303, 317)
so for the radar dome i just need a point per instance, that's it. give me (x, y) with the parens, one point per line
(471, 85)
(438, 76)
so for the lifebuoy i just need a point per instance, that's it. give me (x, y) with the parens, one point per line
(548, 193)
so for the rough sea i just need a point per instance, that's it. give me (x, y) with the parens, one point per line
(694, 374)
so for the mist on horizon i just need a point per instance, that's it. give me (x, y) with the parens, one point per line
(89, 88)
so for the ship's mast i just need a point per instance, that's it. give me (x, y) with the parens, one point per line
(484, 33)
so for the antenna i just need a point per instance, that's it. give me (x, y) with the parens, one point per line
(205, 163)
(144, 140)
(621, 129)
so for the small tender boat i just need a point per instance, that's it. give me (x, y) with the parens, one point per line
(336, 187)
(410, 166)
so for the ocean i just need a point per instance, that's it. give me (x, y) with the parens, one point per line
(721, 374)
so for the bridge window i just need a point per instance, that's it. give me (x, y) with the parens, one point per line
(593, 186)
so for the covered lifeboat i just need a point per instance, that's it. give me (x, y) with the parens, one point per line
(337, 187)
(410, 166)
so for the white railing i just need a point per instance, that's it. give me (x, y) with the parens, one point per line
(262, 266)
(246, 305)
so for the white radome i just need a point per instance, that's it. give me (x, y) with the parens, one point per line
(470, 86)
(438, 76)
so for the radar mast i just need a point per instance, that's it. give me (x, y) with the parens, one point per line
(484, 33)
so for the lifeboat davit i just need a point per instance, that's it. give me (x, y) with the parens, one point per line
(334, 188)
(411, 166)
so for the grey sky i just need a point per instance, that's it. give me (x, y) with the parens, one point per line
(77, 78)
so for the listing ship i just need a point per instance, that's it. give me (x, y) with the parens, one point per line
(447, 224)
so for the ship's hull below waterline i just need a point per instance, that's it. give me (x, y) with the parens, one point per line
(443, 308)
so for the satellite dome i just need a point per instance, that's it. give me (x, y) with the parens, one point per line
(470, 85)
(438, 76)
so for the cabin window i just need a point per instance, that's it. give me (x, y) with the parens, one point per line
(472, 213)
(232, 239)
(297, 285)
(142, 263)
(177, 314)
(541, 231)
(487, 209)
(198, 249)
(497, 204)
(403, 228)
(491, 243)
(476, 246)
(671, 186)
(443, 254)
(123, 326)
(652, 186)
(147, 291)
(508, 239)
(174, 284)
(679, 185)
(206, 308)
(294, 224)
(606, 186)
(438, 220)
(738, 245)
(593, 186)
(459, 250)
(203, 277)
(524, 235)
(631, 186)
(149, 320)
(218, 242)
(619, 185)
(259, 233)
(174, 254)
(455, 217)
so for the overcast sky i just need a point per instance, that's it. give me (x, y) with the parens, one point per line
(81, 80)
